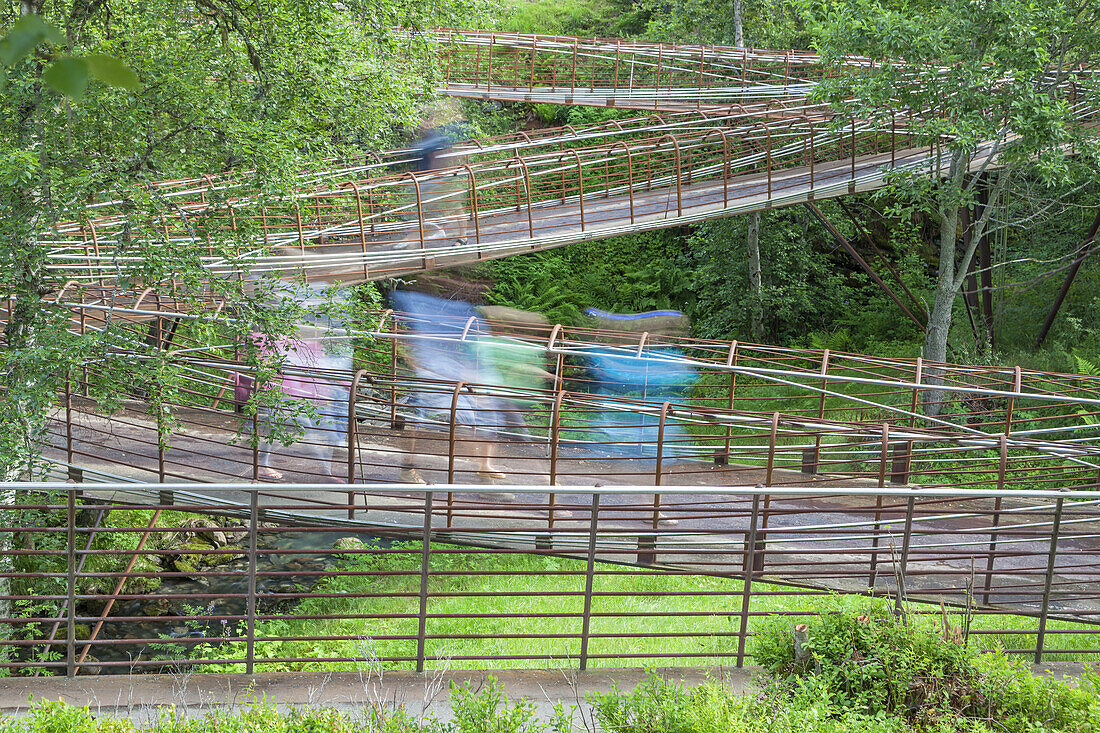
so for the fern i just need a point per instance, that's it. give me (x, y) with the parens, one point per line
(1086, 367)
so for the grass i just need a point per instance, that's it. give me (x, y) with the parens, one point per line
(528, 607)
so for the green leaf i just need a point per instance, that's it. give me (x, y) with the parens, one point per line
(28, 32)
(110, 70)
(68, 75)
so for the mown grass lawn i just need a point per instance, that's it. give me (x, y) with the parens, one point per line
(523, 610)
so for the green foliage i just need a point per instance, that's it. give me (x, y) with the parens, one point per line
(861, 660)
(266, 90)
(603, 18)
(635, 273)
(767, 23)
(489, 711)
(65, 74)
(871, 661)
(1029, 705)
(990, 83)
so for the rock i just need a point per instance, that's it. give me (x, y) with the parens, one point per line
(90, 665)
(195, 556)
(349, 543)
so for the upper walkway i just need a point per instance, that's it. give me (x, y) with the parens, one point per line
(509, 198)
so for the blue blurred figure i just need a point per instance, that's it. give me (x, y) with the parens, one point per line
(651, 376)
(444, 346)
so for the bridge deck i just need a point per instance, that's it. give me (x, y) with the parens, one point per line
(819, 540)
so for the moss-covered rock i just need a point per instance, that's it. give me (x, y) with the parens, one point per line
(193, 557)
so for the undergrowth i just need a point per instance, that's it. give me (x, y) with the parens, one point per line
(814, 697)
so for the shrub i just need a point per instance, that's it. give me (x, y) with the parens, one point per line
(860, 660)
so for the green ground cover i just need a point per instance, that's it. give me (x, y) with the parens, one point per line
(648, 617)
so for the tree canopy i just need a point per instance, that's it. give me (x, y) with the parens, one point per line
(1004, 92)
(267, 88)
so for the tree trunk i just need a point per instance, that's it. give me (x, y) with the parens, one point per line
(738, 26)
(939, 320)
(756, 294)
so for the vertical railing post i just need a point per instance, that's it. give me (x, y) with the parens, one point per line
(679, 173)
(489, 64)
(731, 362)
(534, 53)
(165, 498)
(352, 439)
(906, 540)
(902, 476)
(425, 553)
(657, 86)
(773, 439)
(1048, 581)
(69, 426)
(659, 463)
(555, 437)
(768, 144)
(253, 548)
(811, 157)
(573, 78)
(1010, 408)
(451, 451)
(746, 591)
(474, 207)
(589, 578)
(853, 152)
(393, 369)
(255, 441)
(70, 584)
(1002, 470)
(629, 176)
(419, 215)
(813, 464)
(615, 79)
(884, 456)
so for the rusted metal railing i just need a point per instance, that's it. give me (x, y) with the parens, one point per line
(306, 579)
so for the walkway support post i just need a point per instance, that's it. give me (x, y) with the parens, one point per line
(843, 242)
(1082, 253)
